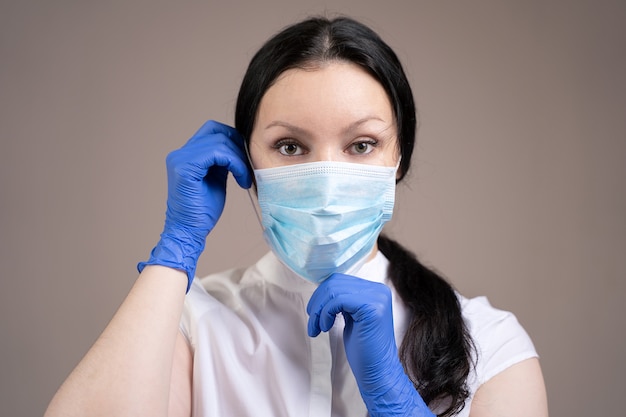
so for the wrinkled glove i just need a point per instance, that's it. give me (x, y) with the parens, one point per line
(369, 342)
(196, 194)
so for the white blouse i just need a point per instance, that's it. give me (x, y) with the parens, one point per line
(247, 329)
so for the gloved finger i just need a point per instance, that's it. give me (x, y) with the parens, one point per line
(362, 300)
(338, 284)
(313, 326)
(211, 126)
(334, 286)
(202, 152)
(360, 309)
(229, 156)
(370, 308)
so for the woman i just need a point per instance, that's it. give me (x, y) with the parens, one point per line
(325, 123)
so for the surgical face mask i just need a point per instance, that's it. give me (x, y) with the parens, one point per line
(324, 217)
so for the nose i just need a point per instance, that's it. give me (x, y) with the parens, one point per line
(326, 153)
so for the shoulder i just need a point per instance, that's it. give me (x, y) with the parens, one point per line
(218, 285)
(518, 391)
(216, 294)
(499, 338)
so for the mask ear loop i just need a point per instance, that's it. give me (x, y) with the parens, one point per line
(252, 199)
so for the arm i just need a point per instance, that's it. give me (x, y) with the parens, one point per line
(128, 369)
(139, 356)
(518, 391)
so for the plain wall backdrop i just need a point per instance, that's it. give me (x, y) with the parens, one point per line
(517, 190)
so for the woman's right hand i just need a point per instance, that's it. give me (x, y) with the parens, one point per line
(196, 175)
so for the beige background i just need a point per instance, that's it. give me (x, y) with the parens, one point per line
(517, 190)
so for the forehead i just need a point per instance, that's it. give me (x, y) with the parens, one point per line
(330, 91)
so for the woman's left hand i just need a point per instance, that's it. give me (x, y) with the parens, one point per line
(369, 342)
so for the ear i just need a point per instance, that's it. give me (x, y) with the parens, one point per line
(400, 171)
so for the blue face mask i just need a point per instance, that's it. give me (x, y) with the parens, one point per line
(324, 217)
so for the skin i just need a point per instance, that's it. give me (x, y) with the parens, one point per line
(336, 112)
(141, 365)
(127, 372)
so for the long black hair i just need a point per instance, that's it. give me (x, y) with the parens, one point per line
(437, 350)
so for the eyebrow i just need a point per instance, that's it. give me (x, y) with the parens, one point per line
(288, 126)
(296, 129)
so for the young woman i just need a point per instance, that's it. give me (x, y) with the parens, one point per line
(325, 127)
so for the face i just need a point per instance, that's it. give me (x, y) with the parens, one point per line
(335, 112)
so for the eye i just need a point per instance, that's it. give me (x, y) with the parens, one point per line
(288, 148)
(363, 147)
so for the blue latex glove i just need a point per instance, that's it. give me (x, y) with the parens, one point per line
(196, 194)
(369, 342)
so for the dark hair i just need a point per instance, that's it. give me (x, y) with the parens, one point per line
(437, 349)
(319, 40)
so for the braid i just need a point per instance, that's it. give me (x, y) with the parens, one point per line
(436, 350)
